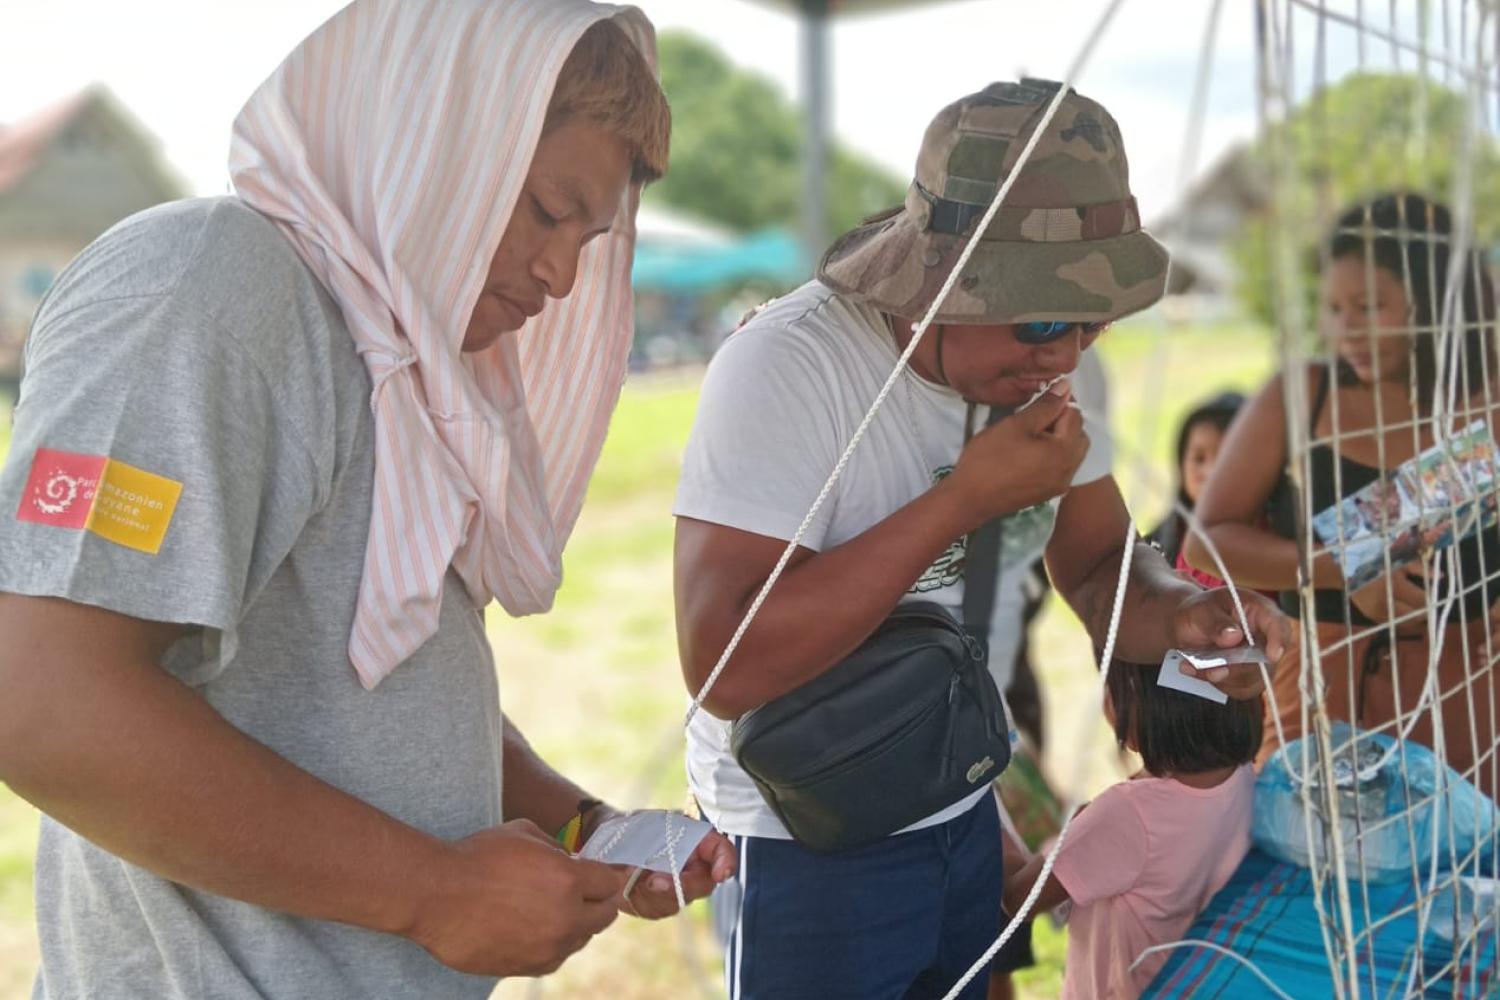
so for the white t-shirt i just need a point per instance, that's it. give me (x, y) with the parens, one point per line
(781, 400)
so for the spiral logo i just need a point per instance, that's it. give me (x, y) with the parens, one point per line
(57, 494)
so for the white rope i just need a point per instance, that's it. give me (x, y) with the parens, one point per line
(917, 333)
(1437, 609)
(1200, 943)
(1100, 424)
(1438, 612)
(1024, 911)
(1392, 38)
(1106, 658)
(672, 839)
(1145, 474)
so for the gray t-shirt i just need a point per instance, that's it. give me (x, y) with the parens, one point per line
(190, 347)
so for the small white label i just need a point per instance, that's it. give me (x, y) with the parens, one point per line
(1171, 676)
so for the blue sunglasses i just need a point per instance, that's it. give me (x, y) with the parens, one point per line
(1043, 332)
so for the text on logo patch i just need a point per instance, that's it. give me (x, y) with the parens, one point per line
(116, 501)
(979, 769)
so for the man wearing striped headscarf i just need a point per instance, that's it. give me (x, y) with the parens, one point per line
(274, 455)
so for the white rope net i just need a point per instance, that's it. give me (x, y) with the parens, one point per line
(1432, 66)
(1423, 672)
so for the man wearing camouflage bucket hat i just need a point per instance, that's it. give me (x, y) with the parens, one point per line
(1064, 256)
(1066, 244)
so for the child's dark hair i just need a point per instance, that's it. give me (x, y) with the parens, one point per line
(1216, 412)
(1180, 733)
(1410, 236)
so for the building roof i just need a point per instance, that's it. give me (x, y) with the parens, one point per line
(1234, 180)
(23, 145)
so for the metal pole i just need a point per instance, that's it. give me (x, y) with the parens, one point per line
(815, 89)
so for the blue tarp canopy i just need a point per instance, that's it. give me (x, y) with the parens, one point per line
(772, 256)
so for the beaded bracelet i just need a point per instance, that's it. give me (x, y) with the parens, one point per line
(571, 834)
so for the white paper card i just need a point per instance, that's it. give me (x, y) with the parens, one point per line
(1171, 675)
(640, 840)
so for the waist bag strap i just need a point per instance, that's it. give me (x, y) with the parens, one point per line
(982, 556)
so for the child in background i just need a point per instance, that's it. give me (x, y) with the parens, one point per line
(1197, 449)
(1143, 858)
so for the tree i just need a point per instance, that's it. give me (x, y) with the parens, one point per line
(1366, 134)
(737, 148)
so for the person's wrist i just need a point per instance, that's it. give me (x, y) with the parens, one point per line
(957, 510)
(1327, 573)
(590, 816)
(1181, 618)
(594, 816)
(426, 875)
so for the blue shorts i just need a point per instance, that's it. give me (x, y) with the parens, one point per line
(902, 919)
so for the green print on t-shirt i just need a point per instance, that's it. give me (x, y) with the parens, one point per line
(1023, 535)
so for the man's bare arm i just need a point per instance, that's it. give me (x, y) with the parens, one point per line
(96, 734)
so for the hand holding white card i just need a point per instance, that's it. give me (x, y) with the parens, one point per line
(1171, 675)
(649, 838)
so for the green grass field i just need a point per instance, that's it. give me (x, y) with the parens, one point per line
(595, 684)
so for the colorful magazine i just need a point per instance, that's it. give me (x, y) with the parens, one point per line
(1443, 495)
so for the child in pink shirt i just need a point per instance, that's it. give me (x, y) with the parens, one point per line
(1144, 857)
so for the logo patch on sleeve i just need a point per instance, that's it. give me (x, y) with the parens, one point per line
(116, 501)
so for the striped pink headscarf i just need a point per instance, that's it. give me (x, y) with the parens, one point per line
(391, 147)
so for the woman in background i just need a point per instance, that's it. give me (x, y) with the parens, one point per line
(1383, 291)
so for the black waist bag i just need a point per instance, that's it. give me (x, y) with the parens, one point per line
(907, 725)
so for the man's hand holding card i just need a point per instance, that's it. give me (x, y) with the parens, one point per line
(654, 842)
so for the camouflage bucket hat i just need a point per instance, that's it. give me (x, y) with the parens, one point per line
(1066, 243)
